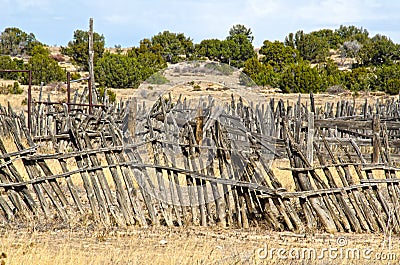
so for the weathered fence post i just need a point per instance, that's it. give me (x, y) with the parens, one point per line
(132, 116)
(310, 138)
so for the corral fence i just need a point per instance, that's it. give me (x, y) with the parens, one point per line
(180, 162)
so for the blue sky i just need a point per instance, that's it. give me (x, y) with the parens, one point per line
(127, 22)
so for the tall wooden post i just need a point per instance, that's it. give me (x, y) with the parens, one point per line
(91, 63)
(69, 90)
(132, 118)
(310, 138)
(376, 145)
(30, 101)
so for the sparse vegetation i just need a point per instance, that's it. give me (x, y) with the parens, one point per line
(190, 246)
(14, 88)
(246, 80)
(197, 87)
(75, 76)
(223, 69)
(157, 79)
(112, 96)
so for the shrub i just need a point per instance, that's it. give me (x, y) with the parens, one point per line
(110, 94)
(16, 89)
(221, 68)
(196, 88)
(393, 86)
(157, 79)
(24, 102)
(11, 89)
(75, 76)
(244, 80)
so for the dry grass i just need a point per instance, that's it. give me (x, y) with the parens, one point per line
(160, 245)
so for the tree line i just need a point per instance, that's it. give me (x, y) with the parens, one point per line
(301, 63)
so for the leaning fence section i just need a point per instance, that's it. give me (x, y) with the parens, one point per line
(181, 162)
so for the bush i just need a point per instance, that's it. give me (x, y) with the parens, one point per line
(45, 69)
(245, 80)
(7, 63)
(16, 89)
(75, 76)
(157, 79)
(11, 89)
(393, 86)
(335, 90)
(222, 68)
(110, 94)
(118, 71)
(196, 88)
(4, 89)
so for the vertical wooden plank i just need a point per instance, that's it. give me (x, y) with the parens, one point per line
(46, 170)
(376, 200)
(32, 173)
(128, 180)
(92, 86)
(132, 117)
(283, 205)
(344, 210)
(304, 183)
(329, 203)
(219, 204)
(310, 138)
(71, 186)
(191, 188)
(84, 175)
(120, 194)
(199, 183)
(104, 187)
(13, 196)
(165, 209)
(6, 208)
(174, 186)
(393, 188)
(14, 176)
(376, 139)
(221, 166)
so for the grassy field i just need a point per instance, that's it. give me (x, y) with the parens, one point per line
(192, 245)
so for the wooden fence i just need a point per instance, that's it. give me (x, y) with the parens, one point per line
(204, 163)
